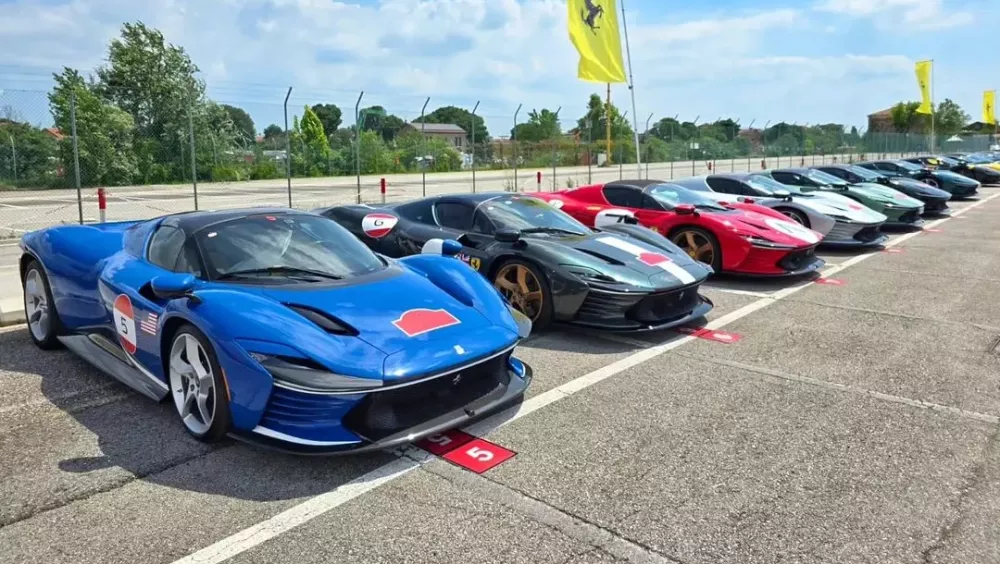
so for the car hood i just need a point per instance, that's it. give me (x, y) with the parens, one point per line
(402, 311)
(916, 188)
(954, 178)
(885, 195)
(782, 231)
(837, 205)
(625, 259)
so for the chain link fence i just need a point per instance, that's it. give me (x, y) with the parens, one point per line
(58, 151)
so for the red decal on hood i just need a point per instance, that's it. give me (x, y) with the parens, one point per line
(419, 321)
(653, 259)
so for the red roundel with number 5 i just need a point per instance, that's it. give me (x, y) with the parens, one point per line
(124, 318)
(479, 455)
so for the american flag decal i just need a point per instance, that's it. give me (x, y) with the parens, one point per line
(148, 325)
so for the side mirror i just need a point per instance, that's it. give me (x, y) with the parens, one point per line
(172, 286)
(684, 209)
(507, 236)
(782, 193)
(444, 247)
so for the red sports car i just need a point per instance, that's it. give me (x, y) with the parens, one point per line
(738, 239)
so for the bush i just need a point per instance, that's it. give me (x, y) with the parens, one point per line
(265, 170)
(222, 173)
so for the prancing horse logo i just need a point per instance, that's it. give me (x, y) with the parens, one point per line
(593, 11)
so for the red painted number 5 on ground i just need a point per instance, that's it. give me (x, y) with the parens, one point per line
(479, 456)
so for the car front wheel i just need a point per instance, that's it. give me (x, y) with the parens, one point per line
(197, 385)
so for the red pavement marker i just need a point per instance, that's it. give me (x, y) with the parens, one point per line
(831, 281)
(894, 251)
(443, 443)
(932, 230)
(479, 456)
(710, 334)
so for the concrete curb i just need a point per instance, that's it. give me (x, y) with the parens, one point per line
(11, 311)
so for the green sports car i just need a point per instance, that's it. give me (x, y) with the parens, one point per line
(902, 210)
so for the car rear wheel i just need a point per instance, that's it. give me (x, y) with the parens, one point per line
(795, 215)
(931, 182)
(525, 288)
(197, 385)
(40, 309)
(699, 244)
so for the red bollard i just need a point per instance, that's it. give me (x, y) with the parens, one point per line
(802, 161)
(102, 204)
(709, 163)
(382, 189)
(538, 179)
(763, 164)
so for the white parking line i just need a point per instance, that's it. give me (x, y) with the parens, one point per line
(323, 503)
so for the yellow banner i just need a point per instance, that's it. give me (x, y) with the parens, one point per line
(593, 29)
(924, 71)
(989, 107)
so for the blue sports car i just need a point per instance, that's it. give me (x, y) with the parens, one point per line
(277, 326)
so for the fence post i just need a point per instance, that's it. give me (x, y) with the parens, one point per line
(76, 154)
(476, 107)
(357, 143)
(555, 143)
(423, 151)
(102, 204)
(194, 156)
(382, 189)
(288, 150)
(513, 143)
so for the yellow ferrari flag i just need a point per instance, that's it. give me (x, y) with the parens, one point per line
(989, 107)
(593, 29)
(924, 71)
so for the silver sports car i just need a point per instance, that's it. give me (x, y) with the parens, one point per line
(842, 221)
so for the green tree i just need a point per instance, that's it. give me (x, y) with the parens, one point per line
(104, 132)
(462, 118)
(376, 119)
(950, 118)
(596, 116)
(540, 126)
(329, 115)
(241, 121)
(315, 147)
(155, 83)
(905, 117)
(28, 155)
(667, 129)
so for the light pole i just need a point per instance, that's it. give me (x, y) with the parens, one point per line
(513, 142)
(473, 152)
(13, 156)
(692, 143)
(423, 148)
(554, 144)
(645, 137)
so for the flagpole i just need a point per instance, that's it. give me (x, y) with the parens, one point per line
(631, 89)
(933, 111)
(607, 126)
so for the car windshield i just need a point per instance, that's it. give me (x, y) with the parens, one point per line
(908, 166)
(948, 161)
(825, 178)
(284, 246)
(768, 186)
(672, 195)
(866, 175)
(523, 213)
(977, 159)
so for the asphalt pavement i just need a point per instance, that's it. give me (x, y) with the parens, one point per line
(852, 418)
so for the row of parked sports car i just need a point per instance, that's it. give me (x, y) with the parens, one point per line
(354, 328)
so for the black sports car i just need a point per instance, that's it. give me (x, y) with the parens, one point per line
(964, 165)
(952, 182)
(551, 267)
(935, 199)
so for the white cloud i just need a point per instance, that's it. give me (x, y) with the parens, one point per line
(503, 52)
(903, 15)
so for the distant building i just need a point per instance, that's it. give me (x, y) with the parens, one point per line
(754, 136)
(447, 132)
(881, 121)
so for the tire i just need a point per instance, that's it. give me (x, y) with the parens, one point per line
(47, 327)
(932, 182)
(542, 318)
(795, 215)
(181, 387)
(679, 234)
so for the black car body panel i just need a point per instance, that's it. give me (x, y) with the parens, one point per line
(592, 283)
(954, 184)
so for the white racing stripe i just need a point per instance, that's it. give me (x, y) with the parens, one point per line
(676, 270)
(260, 533)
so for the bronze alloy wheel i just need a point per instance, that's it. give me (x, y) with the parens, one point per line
(696, 245)
(521, 288)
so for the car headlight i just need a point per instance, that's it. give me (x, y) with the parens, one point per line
(523, 322)
(588, 274)
(765, 243)
(304, 373)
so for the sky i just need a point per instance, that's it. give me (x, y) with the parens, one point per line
(799, 61)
